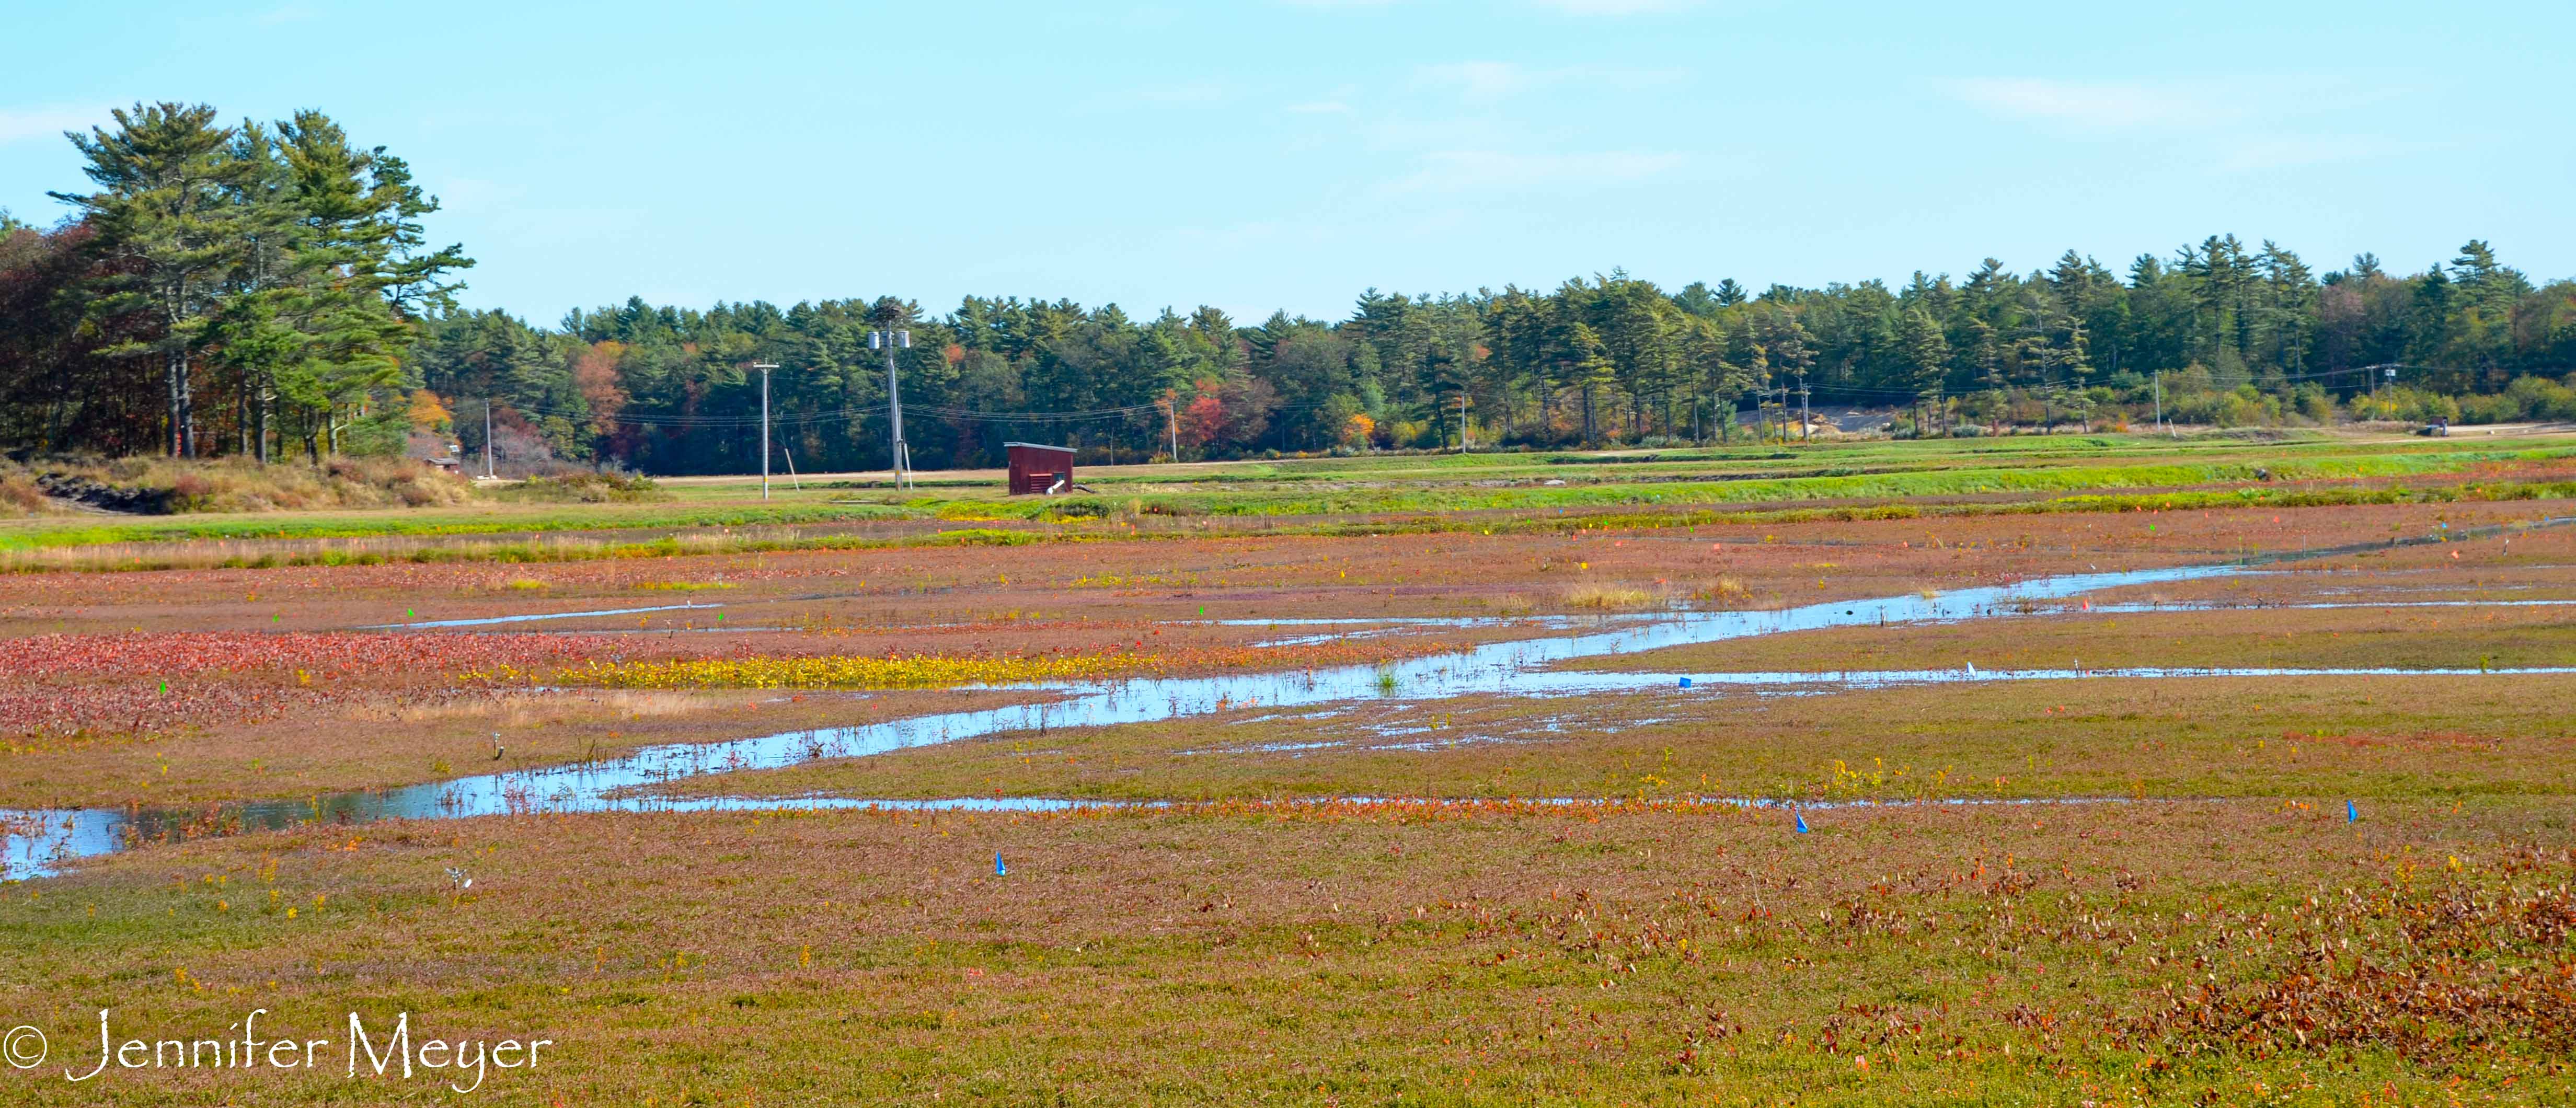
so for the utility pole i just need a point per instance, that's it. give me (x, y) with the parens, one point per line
(764, 368)
(487, 437)
(1172, 410)
(1462, 423)
(1806, 423)
(899, 456)
(2159, 379)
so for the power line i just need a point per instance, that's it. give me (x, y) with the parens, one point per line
(679, 421)
(650, 419)
(1870, 390)
(685, 421)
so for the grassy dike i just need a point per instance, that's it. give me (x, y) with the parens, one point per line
(1450, 492)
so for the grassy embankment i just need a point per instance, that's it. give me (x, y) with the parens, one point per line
(1943, 479)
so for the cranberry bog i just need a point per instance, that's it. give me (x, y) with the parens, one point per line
(2242, 789)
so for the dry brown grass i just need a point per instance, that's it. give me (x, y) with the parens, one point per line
(243, 485)
(1609, 598)
(21, 496)
(1510, 604)
(518, 709)
(1725, 592)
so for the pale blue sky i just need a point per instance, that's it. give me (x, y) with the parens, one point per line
(1260, 155)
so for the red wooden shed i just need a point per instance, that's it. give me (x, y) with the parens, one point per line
(1038, 468)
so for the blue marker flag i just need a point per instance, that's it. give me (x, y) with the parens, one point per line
(1802, 822)
(2351, 812)
(1000, 870)
(1686, 682)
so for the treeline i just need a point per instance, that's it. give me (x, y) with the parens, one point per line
(224, 289)
(2217, 334)
(279, 272)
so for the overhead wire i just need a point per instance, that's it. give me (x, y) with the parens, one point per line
(687, 421)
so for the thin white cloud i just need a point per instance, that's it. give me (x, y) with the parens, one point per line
(1484, 170)
(1616, 7)
(1478, 82)
(21, 124)
(1186, 92)
(2230, 124)
(1485, 83)
(2292, 151)
(1561, 7)
(1242, 236)
(2142, 104)
(1336, 102)
(2104, 103)
(1165, 95)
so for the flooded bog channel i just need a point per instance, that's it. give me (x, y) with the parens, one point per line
(37, 842)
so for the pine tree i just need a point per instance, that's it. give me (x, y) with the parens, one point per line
(2487, 284)
(1926, 353)
(1584, 365)
(1703, 353)
(167, 209)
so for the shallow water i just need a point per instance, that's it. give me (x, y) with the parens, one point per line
(1374, 626)
(2300, 605)
(1880, 678)
(38, 842)
(1510, 668)
(419, 625)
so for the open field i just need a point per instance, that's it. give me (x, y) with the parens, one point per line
(1345, 781)
(2122, 955)
(1469, 493)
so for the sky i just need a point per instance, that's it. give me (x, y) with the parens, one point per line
(1286, 154)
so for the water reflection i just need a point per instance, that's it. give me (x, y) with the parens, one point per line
(38, 842)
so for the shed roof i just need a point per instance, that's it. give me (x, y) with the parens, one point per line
(1038, 446)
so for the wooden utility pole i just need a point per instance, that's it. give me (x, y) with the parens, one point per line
(1806, 422)
(898, 454)
(764, 368)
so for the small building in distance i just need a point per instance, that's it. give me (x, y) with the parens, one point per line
(1039, 469)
